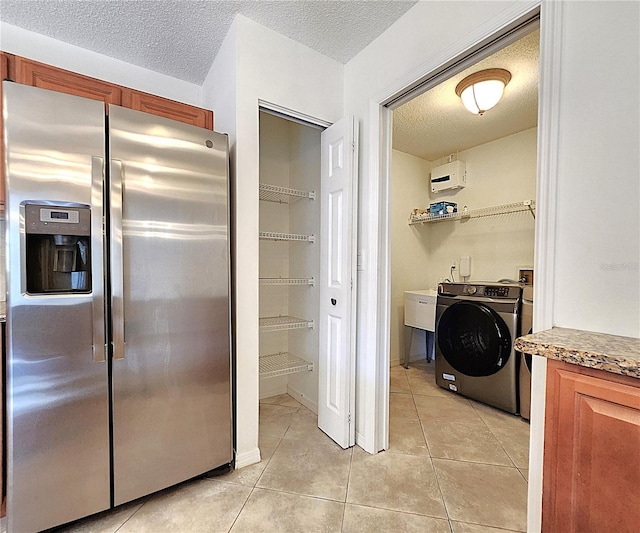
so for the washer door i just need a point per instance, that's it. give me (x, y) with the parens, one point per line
(474, 339)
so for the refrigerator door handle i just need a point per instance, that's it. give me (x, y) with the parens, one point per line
(117, 276)
(97, 302)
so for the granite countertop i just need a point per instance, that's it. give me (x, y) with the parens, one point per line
(611, 353)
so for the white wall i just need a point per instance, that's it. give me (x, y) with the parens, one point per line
(597, 283)
(499, 172)
(304, 218)
(219, 89)
(31, 45)
(274, 255)
(275, 69)
(410, 249)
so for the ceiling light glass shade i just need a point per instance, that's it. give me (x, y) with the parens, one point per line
(483, 90)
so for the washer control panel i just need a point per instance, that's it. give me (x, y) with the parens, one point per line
(497, 291)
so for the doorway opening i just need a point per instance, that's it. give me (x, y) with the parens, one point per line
(487, 235)
(289, 262)
(308, 186)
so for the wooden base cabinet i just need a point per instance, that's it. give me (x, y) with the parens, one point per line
(591, 477)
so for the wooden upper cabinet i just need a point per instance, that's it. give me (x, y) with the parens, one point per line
(164, 107)
(591, 478)
(36, 74)
(45, 76)
(4, 65)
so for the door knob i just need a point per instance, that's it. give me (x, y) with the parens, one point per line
(334, 301)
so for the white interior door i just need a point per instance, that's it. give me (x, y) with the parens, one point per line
(336, 366)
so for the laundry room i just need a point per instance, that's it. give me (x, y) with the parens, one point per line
(462, 204)
(487, 234)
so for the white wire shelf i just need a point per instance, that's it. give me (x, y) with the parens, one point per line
(505, 209)
(283, 195)
(273, 236)
(280, 364)
(288, 281)
(282, 323)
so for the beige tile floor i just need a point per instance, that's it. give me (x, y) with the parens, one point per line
(453, 466)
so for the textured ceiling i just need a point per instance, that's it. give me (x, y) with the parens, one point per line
(436, 124)
(180, 38)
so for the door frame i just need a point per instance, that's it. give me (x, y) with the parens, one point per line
(322, 125)
(291, 115)
(380, 138)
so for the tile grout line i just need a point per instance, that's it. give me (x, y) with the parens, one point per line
(504, 449)
(255, 485)
(280, 491)
(346, 495)
(131, 516)
(498, 440)
(241, 509)
(268, 460)
(435, 472)
(486, 425)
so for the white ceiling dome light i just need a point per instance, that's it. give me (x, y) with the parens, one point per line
(482, 90)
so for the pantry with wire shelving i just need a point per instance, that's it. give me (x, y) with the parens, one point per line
(289, 260)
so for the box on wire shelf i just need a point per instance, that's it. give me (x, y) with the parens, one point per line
(442, 208)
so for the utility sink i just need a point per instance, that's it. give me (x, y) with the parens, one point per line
(420, 309)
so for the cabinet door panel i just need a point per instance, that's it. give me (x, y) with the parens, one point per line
(592, 458)
(55, 79)
(163, 107)
(4, 65)
(604, 459)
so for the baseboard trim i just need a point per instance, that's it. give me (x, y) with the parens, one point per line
(248, 458)
(304, 400)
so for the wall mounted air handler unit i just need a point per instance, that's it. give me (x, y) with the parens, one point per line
(450, 176)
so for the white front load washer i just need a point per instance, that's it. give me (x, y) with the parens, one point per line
(476, 325)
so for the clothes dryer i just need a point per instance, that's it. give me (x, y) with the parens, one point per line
(476, 325)
(525, 359)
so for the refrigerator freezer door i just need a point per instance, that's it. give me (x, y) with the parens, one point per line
(171, 387)
(58, 413)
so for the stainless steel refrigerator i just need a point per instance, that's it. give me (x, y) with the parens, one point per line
(117, 227)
